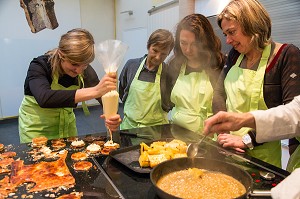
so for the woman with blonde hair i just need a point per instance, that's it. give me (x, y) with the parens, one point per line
(56, 82)
(259, 74)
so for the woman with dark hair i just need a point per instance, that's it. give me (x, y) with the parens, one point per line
(142, 83)
(193, 72)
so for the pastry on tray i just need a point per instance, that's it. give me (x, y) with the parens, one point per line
(79, 156)
(82, 166)
(39, 141)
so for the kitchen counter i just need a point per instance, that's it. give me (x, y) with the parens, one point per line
(134, 185)
(110, 178)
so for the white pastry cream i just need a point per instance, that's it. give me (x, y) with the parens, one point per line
(110, 103)
(93, 148)
(110, 143)
(77, 143)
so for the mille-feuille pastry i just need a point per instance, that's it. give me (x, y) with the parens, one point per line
(82, 165)
(71, 139)
(58, 145)
(100, 143)
(93, 149)
(39, 141)
(1, 147)
(79, 156)
(77, 144)
(111, 144)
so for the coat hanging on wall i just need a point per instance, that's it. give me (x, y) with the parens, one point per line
(39, 14)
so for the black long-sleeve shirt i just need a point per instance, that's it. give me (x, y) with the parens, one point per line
(38, 84)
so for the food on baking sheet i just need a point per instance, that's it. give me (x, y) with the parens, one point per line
(77, 144)
(88, 138)
(79, 156)
(57, 140)
(161, 151)
(43, 152)
(71, 139)
(8, 154)
(107, 150)
(200, 183)
(58, 145)
(100, 143)
(73, 195)
(110, 143)
(109, 146)
(6, 187)
(45, 175)
(93, 149)
(99, 138)
(1, 147)
(39, 141)
(4, 165)
(156, 159)
(82, 165)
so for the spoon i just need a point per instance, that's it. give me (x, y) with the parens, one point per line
(192, 149)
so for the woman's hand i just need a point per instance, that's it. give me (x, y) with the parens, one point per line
(106, 84)
(233, 141)
(113, 122)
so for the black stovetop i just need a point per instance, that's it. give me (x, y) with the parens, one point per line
(109, 178)
(133, 185)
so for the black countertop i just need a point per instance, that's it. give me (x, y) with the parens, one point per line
(110, 178)
(133, 185)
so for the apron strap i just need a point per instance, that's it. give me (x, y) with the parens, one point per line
(271, 65)
(258, 79)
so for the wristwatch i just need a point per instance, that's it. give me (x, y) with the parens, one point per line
(247, 141)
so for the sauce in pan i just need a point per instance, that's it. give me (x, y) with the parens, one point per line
(199, 183)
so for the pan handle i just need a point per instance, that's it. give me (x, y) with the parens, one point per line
(260, 193)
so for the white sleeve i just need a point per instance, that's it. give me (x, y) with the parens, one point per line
(289, 188)
(282, 122)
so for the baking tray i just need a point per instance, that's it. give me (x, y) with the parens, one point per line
(129, 157)
(93, 183)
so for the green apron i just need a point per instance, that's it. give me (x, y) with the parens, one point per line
(192, 96)
(52, 123)
(294, 161)
(143, 104)
(244, 89)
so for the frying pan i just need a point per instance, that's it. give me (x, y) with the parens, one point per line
(178, 164)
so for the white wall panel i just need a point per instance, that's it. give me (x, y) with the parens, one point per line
(165, 18)
(136, 39)
(132, 29)
(210, 7)
(285, 16)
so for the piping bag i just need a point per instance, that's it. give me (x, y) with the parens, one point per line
(110, 53)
